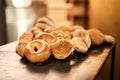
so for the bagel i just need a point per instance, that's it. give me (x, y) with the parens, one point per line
(44, 23)
(79, 45)
(36, 30)
(96, 36)
(49, 29)
(37, 51)
(20, 49)
(84, 35)
(24, 39)
(49, 38)
(61, 49)
(64, 28)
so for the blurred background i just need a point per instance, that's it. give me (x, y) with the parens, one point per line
(18, 16)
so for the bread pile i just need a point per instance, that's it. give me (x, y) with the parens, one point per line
(46, 39)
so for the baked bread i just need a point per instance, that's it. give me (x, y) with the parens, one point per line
(84, 35)
(46, 38)
(44, 23)
(64, 28)
(24, 39)
(36, 30)
(96, 36)
(49, 38)
(59, 34)
(79, 45)
(49, 29)
(77, 27)
(37, 51)
(61, 49)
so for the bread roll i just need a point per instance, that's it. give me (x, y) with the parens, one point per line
(59, 34)
(61, 49)
(20, 49)
(49, 38)
(79, 45)
(84, 35)
(44, 23)
(37, 51)
(64, 28)
(36, 30)
(77, 27)
(24, 39)
(96, 36)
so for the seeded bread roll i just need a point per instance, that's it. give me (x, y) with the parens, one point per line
(59, 34)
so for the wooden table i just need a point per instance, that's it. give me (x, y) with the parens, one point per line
(75, 67)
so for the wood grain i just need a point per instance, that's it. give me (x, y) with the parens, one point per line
(75, 67)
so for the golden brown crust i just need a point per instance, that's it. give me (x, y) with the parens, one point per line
(26, 37)
(37, 51)
(20, 48)
(64, 28)
(84, 35)
(36, 30)
(79, 45)
(61, 49)
(44, 23)
(60, 41)
(49, 38)
(59, 34)
(77, 27)
(96, 36)
(49, 29)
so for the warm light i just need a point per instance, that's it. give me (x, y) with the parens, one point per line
(21, 3)
(22, 27)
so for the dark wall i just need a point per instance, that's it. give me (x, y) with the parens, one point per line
(3, 39)
(105, 15)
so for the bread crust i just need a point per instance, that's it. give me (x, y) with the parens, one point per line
(37, 51)
(61, 49)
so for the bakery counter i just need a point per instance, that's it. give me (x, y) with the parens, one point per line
(76, 67)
